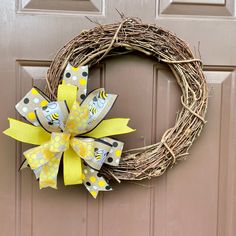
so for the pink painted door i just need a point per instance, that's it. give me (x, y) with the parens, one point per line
(196, 197)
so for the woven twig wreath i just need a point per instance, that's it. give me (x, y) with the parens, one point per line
(91, 46)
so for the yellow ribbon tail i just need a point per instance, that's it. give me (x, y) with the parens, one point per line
(49, 171)
(26, 133)
(111, 127)
(67, 92)
(72, 168)
(45, 164)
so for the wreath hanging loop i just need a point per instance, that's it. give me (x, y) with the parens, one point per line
(91, 46)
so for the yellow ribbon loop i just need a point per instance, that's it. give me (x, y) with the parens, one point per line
(77, 120)
(84, 148)
(38, 156)
(68, 93)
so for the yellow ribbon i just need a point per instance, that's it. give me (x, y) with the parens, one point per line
(47, 156)
(26, 133)
(72, 168)
(111, 127)
(37, 135)
(68, 93)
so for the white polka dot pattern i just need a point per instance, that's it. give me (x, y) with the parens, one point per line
(114, 156)
(77, 76)
(94, 181)
(33, 100)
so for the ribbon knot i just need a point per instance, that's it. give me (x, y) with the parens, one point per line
(83, 147)
(59, 142)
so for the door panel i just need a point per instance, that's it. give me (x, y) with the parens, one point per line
(196, 7)
(61, 6)
(197, 196)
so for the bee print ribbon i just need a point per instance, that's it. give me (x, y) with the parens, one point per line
(72, 128)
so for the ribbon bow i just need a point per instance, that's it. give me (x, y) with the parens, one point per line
(72, 127)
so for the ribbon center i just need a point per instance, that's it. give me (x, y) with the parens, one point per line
(60, 142)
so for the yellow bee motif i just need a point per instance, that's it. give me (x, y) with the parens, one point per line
(103, 95)
(93, 110)
(53, 118)
(98, 156)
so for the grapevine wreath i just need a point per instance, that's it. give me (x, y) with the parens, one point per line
(82, 52)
